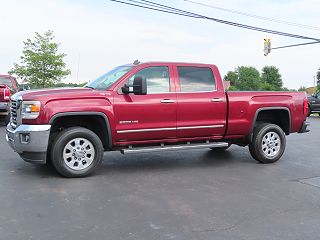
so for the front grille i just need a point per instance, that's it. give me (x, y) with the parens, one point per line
(14, 113)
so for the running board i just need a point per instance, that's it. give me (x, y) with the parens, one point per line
(163, 147)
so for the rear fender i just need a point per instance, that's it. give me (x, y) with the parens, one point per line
(285, 124)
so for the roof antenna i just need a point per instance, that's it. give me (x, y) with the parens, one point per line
(136, 62)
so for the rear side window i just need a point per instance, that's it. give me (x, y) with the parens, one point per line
(196, 79)
(158, 80)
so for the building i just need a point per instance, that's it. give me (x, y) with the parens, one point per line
(311, 90)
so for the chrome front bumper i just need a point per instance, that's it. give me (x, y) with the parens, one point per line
(29, 141)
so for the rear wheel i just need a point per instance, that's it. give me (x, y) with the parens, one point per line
(268, 143)
(76, 152)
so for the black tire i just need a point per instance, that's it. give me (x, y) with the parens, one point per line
(7, 119)
(309, 112)
(221, 148)
(60, 146)
(261, 150)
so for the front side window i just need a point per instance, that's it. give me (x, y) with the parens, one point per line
(109, 78)
(157, 78)
(196, 79)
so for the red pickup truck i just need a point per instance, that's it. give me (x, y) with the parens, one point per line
(146, 107)
(8, 86)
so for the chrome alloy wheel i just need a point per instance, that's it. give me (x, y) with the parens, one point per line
(78, 153)
(271, 144)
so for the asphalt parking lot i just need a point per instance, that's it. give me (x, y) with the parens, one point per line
(195, 194)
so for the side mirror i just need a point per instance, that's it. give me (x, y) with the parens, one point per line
(139, 85)
(125, 89)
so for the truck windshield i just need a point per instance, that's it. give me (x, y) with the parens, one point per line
(109, 78)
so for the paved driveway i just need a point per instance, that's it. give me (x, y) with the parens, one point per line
(176, 195)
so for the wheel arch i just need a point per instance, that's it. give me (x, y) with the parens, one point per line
(280, 116)
(97, 122)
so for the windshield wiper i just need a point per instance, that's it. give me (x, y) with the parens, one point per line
(89, 87)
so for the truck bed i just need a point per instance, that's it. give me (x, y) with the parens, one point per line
(243, 107)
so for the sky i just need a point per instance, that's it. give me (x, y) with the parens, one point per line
(98, 35)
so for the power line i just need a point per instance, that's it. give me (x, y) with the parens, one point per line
(295, 45)
(255, 16)
(154, 7)
(167, 9)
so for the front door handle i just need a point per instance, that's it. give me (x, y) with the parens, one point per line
(167, 101)
(217, 100)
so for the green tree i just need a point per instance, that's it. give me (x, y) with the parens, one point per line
(318, 80)
(244, 78)
(302, 89)
(41, 65)
(232, 77)
(271, 78)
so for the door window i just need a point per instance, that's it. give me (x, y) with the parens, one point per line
(158, 80)
(196, 79)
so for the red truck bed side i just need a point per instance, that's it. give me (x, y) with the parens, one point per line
(244, 108)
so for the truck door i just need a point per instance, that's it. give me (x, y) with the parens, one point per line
(151, 116)
(201, 102)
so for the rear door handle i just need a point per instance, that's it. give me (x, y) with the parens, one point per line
(217, 100)
(167, 101)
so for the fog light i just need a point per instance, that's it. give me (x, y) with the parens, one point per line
(24, 138)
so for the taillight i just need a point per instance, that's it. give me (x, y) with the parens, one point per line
(305, 106)
(6, 93)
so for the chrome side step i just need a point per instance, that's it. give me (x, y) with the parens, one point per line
(163, 147)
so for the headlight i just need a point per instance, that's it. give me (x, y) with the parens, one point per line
(30, 109)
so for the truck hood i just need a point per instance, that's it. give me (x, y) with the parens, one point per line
(45, 95)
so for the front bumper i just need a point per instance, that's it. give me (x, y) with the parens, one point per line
(304, 127)
(29, 141)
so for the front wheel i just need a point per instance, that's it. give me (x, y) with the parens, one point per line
(268, 143)
(76, 152)
(7, 119)
(309, 112)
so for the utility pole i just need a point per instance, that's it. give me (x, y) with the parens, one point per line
(78, 67)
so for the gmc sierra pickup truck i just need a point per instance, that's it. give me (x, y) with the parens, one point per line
(8, 86)
(146, 107)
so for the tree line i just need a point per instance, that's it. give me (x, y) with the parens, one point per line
(247, 78)
(318, 79)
